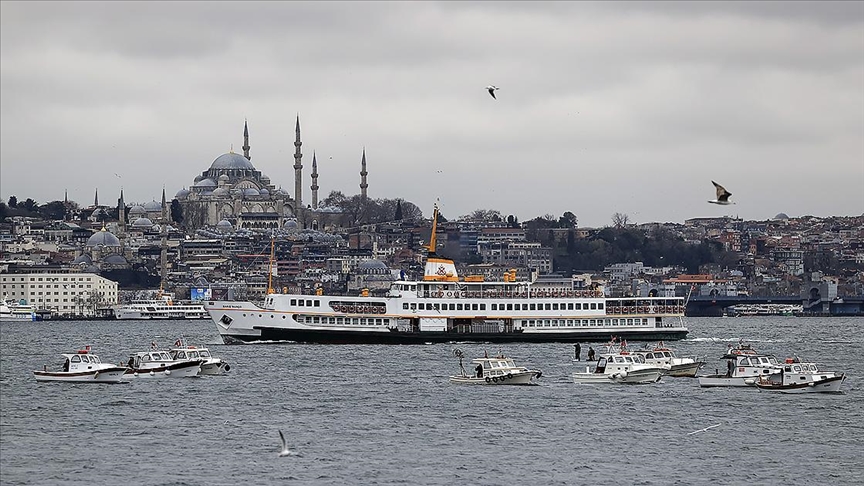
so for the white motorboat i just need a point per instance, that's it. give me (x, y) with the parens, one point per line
(665, 358)
(211, 365)
(160, 364)
(83, 367)
(497, 370)
(744, 366)
(794, 376)
(620, 367)
(444, 307)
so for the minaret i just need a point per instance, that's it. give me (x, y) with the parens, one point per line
(298, 169)
(163, 230)
(246, 140)
(363, 184)
(96, 200)
(121, 212)
(314, 181)
(66, 196)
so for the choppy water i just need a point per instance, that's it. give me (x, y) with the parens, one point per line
(387, 415)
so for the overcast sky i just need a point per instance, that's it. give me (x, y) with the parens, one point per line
(602, 108)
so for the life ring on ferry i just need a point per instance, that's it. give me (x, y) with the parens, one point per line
(488, 379)
(509, 376)
(464, 294)
(449, 294)
(495, 379)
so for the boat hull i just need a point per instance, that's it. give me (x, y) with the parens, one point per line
(185, 369)
(108, 375)
(687, 370)
(525, 378)
(321, 336)
(715, 381)
(215, 367)
(637, 377)
(828, 385)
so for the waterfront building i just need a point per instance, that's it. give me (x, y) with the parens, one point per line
(86, 294)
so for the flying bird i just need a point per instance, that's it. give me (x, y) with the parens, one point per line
(491, 89)
(703, 430)
(722, 195)
(285, 451)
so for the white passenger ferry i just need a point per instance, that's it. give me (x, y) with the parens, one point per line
(442, 308)
(162, 307)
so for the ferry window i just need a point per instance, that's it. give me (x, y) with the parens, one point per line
(593, 306)
(554, 322)
(577, 306)
(533, 306)
(331, 320)
(473, 306)
(293, 301)
(509, 306)
(405, 305)
(317, 303)
(458, 306)
(377, 321)
(531, 323)
(452, 306)
(570, 306)
(421, 306)
(308, 303)
(555, 306)
(524, 306)
(482, 306)
(600, 306)
(548, 306)
(340, 320)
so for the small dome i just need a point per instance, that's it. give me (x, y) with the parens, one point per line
(224, 225)
(223, 177)
(220, 191)
(237, 191)
(291, 224)
(115, 260)
(182, 193)
(198, 178)
(205, 183)
(251, 191)
(372, 265)
(152, 206)
(136, 211)
(85, 259)
(781, 216)
(103, 238)
(92, 269)
(142, 223)
(231, 161)
(264, 192)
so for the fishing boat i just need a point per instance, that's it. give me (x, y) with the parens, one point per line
(744, 366)
(160, 364)
(83, 367)
(665, 358)
(162, 307)
(442, 307)
(210, 366)
(794, 376)
(497, 370)
(14, 310)
(620, 367)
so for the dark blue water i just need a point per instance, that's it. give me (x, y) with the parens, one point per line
(387, 415)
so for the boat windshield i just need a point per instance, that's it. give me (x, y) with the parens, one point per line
(205, 353)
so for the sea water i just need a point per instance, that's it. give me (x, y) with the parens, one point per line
(369, 414)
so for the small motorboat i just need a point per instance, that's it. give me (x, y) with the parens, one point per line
(621, 367)
(744, 366)
(665, 358)
(160, 364)
(498, 370)
(793, 376)
(211, 365)
(83, 367)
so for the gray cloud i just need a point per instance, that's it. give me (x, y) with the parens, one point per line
(598, 101)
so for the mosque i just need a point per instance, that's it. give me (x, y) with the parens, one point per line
(231, 192)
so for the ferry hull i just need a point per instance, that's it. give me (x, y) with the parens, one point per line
(320, 336)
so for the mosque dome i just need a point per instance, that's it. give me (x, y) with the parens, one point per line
(198, 178)
(152, 206)
(224, 225)
(223, 177)
(205, 183)
(182, 193)
(251, 191)
(372, 266)
(231, 161)
(103, 238)
(264, 192)
(136, 211)
(291, 224)
(115, 260)
(220, 191)
(92, 269)
(142, 223)
(85, 259)
(782, 216)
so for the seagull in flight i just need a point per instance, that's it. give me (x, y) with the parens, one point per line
(703, 430)
(491, 89)
(285, 451)
(722, 195)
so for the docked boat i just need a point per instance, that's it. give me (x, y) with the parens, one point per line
(665, 358)
(442, 307)
(162, 307)
(210, 366)
(744, 366)
(794, 376)
(14, 310)
(497, 370)
(617, 365)
(83, 367)
(160, 364)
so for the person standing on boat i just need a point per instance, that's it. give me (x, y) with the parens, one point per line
(479, 370)
(577, 349)
(590, 353)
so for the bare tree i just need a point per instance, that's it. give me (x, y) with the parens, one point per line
(620, 220)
